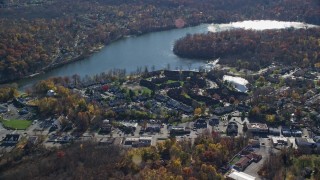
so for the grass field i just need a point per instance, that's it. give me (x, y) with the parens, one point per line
(236, 159)
(16, 124)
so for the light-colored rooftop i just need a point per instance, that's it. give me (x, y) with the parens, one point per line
(240, 176)
(257, 126)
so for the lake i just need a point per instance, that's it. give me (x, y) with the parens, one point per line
(149, 50)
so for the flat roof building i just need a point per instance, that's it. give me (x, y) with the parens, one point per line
(240, 176)
(257, 128)
(279, 141)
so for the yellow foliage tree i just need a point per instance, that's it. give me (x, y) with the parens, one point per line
(197, 112)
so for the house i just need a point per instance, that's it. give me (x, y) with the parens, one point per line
(243, 163)
(223, 110)
(11, 139)
(254, 157)
(214, 120)
(185, 108)
(173, 103)
(200, 123)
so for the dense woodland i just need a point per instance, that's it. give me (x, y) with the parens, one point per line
(254, 49)
(38, 35)
(170, 159)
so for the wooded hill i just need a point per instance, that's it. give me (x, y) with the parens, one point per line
(254, 49)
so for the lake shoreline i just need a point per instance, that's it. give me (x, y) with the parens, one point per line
(27, 80)
(93, 51)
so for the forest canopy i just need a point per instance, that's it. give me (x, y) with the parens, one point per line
(256, 49)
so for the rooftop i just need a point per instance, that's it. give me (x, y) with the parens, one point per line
(257, 126)
(240, 176)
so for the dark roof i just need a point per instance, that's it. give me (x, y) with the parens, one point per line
(243, 162)
(11, 137)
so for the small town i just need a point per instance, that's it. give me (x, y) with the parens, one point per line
(267, 111)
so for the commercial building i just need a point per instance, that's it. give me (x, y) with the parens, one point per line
(153, 128)
(177, 130)
(279, 141)
(258, 128)
(307, 145)
(142, 141)
(235, 175)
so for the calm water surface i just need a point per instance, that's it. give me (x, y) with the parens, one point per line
(153, 49)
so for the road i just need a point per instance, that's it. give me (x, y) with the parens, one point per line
(264, 151)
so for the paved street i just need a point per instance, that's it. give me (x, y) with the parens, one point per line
(264, 150)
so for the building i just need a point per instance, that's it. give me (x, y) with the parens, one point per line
(200, 123)
(306, 145)
(11, 139)
(279, 141)
(177, 130)
(142, 141)
(254, 157)
(223, 110)
(255, 143)
(257, 128)
(296, 132)
(153, 128)
(286, 131)
(232, 129)
(243, 163)
(106, 127)
(214, 121)
(145, 140)
(130, 141)
(130, 125)
(274, 131)
(239, 176)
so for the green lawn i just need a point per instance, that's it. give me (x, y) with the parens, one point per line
(236, 159)
(16, 124)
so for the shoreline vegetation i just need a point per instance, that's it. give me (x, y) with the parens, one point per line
(40, 37)
(254, 50)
